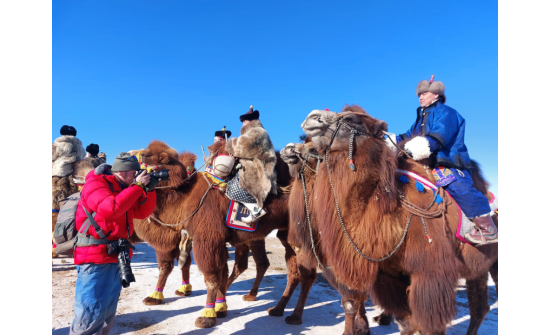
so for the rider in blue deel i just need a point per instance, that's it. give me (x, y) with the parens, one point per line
(440, 130)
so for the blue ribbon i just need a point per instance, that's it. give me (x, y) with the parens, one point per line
(55, 210)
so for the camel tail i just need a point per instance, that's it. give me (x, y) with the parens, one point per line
(432, 301)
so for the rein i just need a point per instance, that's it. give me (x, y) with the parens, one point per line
(395, 144)
(406, 204)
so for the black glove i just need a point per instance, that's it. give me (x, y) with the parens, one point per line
(153, 182)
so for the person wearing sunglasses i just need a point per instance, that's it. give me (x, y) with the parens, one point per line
(114, 196)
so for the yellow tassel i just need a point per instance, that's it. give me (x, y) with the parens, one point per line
(221, 307)
(209, 313)
(157, 295)
(185, 288)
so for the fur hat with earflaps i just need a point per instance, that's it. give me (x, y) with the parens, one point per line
(222, 133)
(68, 130)
(250, 115)
(436, 87)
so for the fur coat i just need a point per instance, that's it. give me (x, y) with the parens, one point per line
(66, 150)
(257, 157)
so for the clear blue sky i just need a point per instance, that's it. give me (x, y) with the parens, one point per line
(128, 72)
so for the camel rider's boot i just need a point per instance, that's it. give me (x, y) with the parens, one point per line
(485, 231)
(255, 213)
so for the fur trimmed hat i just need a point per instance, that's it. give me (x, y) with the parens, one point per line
(222, 133)
(436, 87)
(93, 149)
(250, 115)
(68, 130)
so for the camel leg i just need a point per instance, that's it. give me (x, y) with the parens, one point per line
(478, 300)
(211, 257)
(292, 278)
(361, 321)
(383, 319)
(262, 264)
(186, 288)
(308, 274)
(165, 262)
(351, 307)
(221, 305)
(241, 263)
(494, 274)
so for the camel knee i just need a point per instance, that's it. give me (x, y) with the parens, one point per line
(350, 307)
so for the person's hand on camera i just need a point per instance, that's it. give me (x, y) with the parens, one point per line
(152, 184)
(143, 178)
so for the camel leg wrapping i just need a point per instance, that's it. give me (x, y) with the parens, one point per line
(165, 262)
(186, 289)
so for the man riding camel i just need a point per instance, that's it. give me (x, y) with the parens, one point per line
(256, 178)
(440, 130)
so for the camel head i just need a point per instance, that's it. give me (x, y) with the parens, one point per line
(160, 154)
(351, 118)
(317, 126)
(294, 154)
(82, 167)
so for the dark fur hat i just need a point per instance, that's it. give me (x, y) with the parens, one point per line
(222, 133)
(250, 115)
(93, 149)
(68, 130)
(436, 87)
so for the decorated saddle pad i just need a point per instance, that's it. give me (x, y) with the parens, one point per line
(235, 192)
(464, 224)
(235, 213)
(443, 176)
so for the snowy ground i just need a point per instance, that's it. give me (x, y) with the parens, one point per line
(322, 315)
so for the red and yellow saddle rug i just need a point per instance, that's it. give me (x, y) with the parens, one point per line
(235, 213)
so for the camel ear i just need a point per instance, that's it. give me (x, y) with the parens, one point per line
(164, 158)
(378, 129)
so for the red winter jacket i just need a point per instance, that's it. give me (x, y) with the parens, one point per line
(111, 209)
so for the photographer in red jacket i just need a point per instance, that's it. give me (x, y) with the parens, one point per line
(114, 200)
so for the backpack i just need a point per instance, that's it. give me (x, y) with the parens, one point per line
(66, 236)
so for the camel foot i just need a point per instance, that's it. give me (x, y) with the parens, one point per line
(383, 319)
(152, 301)
(293, 320)
(273, 311)
(183, 294)
(221, 314)
(205, 322)
(248, 297)
(361, 327)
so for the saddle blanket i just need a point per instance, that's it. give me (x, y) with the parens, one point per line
(235, 213)
(464, 225)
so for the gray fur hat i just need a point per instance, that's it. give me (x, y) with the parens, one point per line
(125, 162)
(436, 87)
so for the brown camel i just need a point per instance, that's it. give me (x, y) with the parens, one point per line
(417, 283)
(178, 199)
(302, 159)
(62, 187)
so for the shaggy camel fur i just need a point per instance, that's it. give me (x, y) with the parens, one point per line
(295, 155)
(206, 229)
(417, 284)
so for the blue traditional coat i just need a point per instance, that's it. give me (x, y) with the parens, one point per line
(444, 128)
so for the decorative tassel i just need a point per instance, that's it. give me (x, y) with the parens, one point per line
(209, 312)
(404, 179)
(351, 165)
(419, 187)
(221, 305)
(438, 199)
(429, 238)
(157, 295)
(185, 288)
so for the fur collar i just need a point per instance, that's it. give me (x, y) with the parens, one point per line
(252, 124)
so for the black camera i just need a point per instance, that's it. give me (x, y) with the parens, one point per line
(122, 248)
(156, 176)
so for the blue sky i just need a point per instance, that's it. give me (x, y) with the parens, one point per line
(127, 72)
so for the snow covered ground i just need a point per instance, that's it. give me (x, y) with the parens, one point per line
(323, 313)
